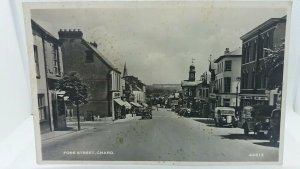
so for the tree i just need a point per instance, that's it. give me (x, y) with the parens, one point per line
(275, 60)
(76, 91)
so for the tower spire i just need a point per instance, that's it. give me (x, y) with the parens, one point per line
(125, 71)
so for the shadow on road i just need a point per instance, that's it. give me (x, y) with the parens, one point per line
(241, 137)
(206, 121)
(73, 128)
(210, 123)
(268, 144)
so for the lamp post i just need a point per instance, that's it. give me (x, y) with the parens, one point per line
(237, 93)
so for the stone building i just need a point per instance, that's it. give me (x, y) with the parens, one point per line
(102, 77)
(49, 69)
(256, 80)
(189, 89)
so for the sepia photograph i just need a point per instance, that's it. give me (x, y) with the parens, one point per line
(198, 82)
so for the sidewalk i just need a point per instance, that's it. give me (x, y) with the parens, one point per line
(68, 131)
(128, 118)
(85, 125)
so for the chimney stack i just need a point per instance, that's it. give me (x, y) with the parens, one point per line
(226, 51)
(75, 33)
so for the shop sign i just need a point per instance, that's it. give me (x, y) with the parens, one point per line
(261, 98)
(246, 97)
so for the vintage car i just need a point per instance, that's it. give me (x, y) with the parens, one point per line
(182, 111)
(274, 130)
(147, 113)
(225, 116)
(255, 119)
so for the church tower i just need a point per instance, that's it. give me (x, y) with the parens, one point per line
(192, 72)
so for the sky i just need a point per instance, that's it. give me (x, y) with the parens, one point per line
(158, 44)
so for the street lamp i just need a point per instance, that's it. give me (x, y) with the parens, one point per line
(237, 93)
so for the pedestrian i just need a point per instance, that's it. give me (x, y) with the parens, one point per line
(157, 107)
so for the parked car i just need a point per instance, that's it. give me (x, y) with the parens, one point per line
(274, 130)
(262, 127)
(147, 114)
(255, 118)
(139, 111)
(182, 111)
(195, 113)
(225, 116)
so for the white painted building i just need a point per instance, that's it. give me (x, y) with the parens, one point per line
(228, 72)
(49, 68)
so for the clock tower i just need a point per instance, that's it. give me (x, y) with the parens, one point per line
(192, 73)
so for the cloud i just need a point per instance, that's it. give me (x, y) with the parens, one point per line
(158, 44)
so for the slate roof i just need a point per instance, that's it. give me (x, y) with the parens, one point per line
(38, 28)
(100, 55)
(235, 53)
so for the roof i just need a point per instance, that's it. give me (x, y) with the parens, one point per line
(43, 32)
(235, 53)
(263, 26)
(100, 56)
(185, 83)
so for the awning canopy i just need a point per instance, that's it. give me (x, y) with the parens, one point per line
(136, 104)
(119, 102)
(127, 105)
(145, 104)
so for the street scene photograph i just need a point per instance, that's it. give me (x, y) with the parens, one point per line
(182, 83)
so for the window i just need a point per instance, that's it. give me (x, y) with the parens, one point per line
(222, 68)
(254, 51)
(207, 91)
(36, 60)
(246, 81)
(200, 92)
(89, 58)
(266, 42)
(244, 54)
(226, 102)
(248, 53)
(221, 85)
(253, 79)
(56, 61)
(227, 84)
(42, 107)
(228, 64)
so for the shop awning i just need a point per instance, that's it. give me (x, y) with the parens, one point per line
(136, 104)
(127, 105)
(119, 102)
(145, 104)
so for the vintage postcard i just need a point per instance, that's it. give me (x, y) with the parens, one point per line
(158, 82)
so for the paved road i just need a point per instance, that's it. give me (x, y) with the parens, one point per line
(166, 137)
